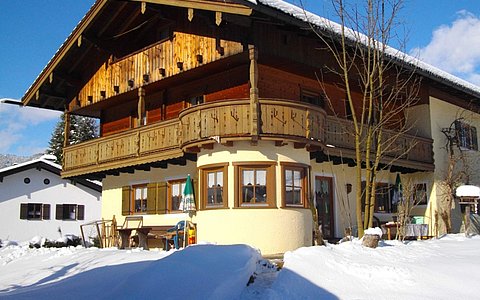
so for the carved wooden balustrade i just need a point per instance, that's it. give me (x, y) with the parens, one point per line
(226, 121)
(145, 144)
(280, 119)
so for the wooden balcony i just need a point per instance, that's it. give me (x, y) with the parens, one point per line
(407, 150)
(151, 143)
(181, 53)
(225, 122)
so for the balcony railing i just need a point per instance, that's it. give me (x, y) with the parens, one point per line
(224, 121)
(145, 144)
(280, 119)
(404, 146)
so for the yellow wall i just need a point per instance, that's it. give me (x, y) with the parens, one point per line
(274, 230)
(442, 116)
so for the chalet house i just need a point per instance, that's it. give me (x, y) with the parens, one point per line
(36, 201)
(228, 92)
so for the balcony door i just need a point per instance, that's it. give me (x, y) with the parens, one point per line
(324, 205)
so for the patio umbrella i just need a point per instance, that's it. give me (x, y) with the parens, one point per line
(188, 204)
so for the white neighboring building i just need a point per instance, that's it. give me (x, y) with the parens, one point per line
(36, 201)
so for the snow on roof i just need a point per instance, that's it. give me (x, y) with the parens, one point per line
(44, 158)
(468, 191)
(306, 16)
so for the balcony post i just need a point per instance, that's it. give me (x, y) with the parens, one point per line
(141, 107)
(254, 102)
(66, 129)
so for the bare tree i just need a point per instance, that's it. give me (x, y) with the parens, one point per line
(378, 89)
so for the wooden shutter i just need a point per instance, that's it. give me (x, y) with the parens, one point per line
(23, 211)
(151, 198)
(162, 198)
(59, 212)
(126, 194)
(81, 212)
(46, 212)
(196, 194)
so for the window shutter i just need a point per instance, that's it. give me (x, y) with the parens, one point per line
(81, 212)
(23, 211)
(46, 212)
(59, 212)
(126, 194)
(474, 138)
(196, 195)
(151, 198)
(162, 198)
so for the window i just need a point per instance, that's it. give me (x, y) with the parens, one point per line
(70, 212)
(214, 182)
(139, 199)
(313, 98)
(175, 195)
(383, 198)
(255, 184)
(34, 211)
(466, 136)
(420, 194)
(294, 184)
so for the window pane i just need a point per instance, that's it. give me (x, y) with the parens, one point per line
(297, 195)
(247, 177)
(210, 196)
(288, 195)
(297, 177)
(261, 177)
(288, 178)
(219, 194)
(211, 179)
(176, 202)
(220, 179)
(175, 189)
(247, 194)
(138, 193)
(260, 194)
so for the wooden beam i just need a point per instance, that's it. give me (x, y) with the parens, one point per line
(224, 7)
(66, 130)
(254, 102)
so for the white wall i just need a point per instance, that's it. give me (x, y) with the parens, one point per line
(13, 192)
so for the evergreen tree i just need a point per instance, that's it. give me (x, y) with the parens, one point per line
(81, 129)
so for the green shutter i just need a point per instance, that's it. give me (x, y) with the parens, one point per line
(46, 212)
(162, 198)
(81, 212)
(151, 198)
(126, 194)
(23, 211)
(59, 212)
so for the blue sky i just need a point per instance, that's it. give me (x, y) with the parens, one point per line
(444, 33)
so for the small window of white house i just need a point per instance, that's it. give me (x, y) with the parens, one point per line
(34, 211)
(70, 212)
(466, 136)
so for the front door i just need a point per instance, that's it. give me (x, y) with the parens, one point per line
(324, 205)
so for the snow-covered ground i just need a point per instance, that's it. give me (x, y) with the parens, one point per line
(445, 268)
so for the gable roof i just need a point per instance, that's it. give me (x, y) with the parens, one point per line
(48, 165)
(104, 12)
